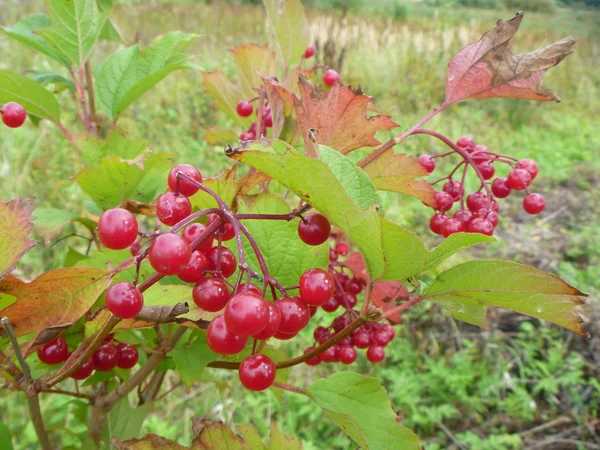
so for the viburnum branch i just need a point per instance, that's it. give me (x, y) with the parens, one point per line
(90, 90)
(404, 306)
(287, 387)
(367, 300)
(15, 345)
(7, 365)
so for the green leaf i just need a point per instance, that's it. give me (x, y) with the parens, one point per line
(226, 96)
(50, 221)
(35, 99)
(359, 405)
(281, 441)
(76, 25)
(109, 32)
(116, 144)
(220, 135)
(23, 32)
(292, 31)
(287, 257)
(129, 73)
(191, 359)
(59, 82)
(467, 291)
(125, 422)
(390, 251)
(453, 244)
(5, 439)
(15, 226)
(115, 180)
(215, 435)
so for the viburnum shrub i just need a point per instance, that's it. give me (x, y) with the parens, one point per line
(187, 272)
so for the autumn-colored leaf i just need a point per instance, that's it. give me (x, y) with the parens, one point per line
(397, 173)
(282, 103)
(252, 60)
(215, 436)
(15, 225)
(55, 298)
(338, 118)
(138, 208)
(220, 135)
(487, 68)
(148, 442)
(226, 96)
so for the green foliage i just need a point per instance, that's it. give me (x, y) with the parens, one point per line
(34, 98)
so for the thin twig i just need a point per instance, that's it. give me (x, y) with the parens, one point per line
(15, 344)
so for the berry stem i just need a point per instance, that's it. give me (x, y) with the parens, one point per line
(92, 101)
(287, 387)
(404, 306)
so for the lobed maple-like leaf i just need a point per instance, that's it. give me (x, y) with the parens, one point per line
(15, 225)
(55, 298)
(487, 68)
(252, 60)
(338, 118)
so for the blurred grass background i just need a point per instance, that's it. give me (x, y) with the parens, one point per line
(454, 385)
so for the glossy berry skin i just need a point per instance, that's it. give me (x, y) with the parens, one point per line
(534, 203)
(482, 226)
(249, 288)
(331, 305)
(476, 201)
(221, 340)
(530, 166)
(376, 354)
(257, 372)
(124, 300)
(499, 188)
(518, 179)
(480, 154)
(117, 229)
(171, 208)
(169, 254)
(487, 170)
(284, 336)
(13, 115)
(244, 108)
(330, 355)
(314, 229)
(226, 261)
(361, 340)
(185, 187)
(309, 52)
(381, 338)
(194, 271)
(272, 325)
(227, 231)
(346, 354)
(316, 287)
(436, 222)
(454, 188)
(246, 314)
(194, 230)
(466, 143)
(84, 371)
(427, 162)
(443, 201)
(451, 226)
(294, 314)
(354, 286)
(54, 352)
(465, 216)
(128, 356)
(210, 294)
(106, 357)
(330, 77)
(342, 248)
(314, 361)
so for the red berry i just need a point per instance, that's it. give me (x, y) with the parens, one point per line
(476, 201)
(499, 188)
(314, 229)
(171, 208)
(348, 300)
(309, 52)
(294, 314)
(330, 77)
(361, 339)
(314, 361)
(354, 286)
(389, 330)
(284, 336)
(194, 230)
(534, 203)
(249, 288)
(342, 248)
(452, 226)
(518, 179)
(106, 357)
(257, 372)
(210, 294)
(375, 354)
(222, 258)
(194, 271)
(427, 162)
(169, 254)
(128, 356)
(487, 170)
(221, 340)
(54, 352)
(333, 255)
(185, 187)
(227, 231)
(491, 217)
(436, 222)
(13, 115)
(346, 354)
(381, 338)
(316, 287)
(331, 305)
(246, 314)
(84, 371)
(340, 323)
(530, 166)
(268, 121)
(466, 143)
(109, 338)
(247, 136)
(136, 247)
(117, 229)
(465, 216)
(482, 226)
(454, 188)
(124, 300)
(443, 201)
(330, 355)
(272, 325)
(244, 108)
(480, 154)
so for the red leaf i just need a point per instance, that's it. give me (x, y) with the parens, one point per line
(15, 224)
(487, 68)
(339, 118)
(282, 103)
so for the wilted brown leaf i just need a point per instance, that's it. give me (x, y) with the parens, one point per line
(487, 68)
(15, 224)
(148, 442)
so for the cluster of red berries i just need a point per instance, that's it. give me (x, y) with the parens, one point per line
(13, 115)
(109, 355)
(244, 109)
(479, 214)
